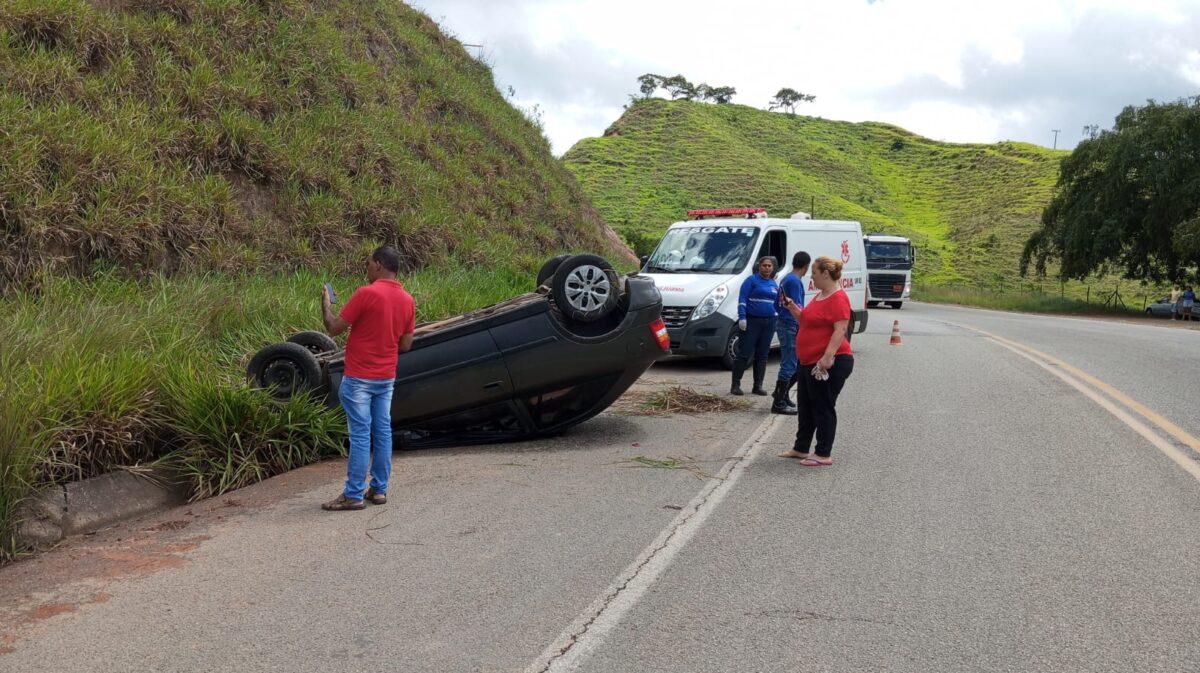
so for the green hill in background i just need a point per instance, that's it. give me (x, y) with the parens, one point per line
(159, 135)
(968, 208)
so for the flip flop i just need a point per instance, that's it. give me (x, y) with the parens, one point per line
(814, 462)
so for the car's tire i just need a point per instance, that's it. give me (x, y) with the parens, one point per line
(316, 342)
(895, 304)
(1150, 312)
(284, 369)
(872, 304)
(731, 345)
(547, 271)
(585, 288)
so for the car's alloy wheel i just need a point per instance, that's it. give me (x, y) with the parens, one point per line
(584, 288)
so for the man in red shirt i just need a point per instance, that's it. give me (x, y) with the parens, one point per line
(381, 317)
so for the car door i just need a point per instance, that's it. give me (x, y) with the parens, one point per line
(458, 370)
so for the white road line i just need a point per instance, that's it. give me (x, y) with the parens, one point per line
(1181, 459)
(588, 631)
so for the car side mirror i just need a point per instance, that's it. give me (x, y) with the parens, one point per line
(644, 259)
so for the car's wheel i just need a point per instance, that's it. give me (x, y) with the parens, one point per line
(547, 271)
(315, 342)
(731, 347)
(585, 288)
(1149, 311)
(872, 304)
(285, 369)
(895, 304)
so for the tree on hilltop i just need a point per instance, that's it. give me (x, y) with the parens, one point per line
(679, 87)
(649, 83)
(720, 94)
(1128, 198)
(787, 99)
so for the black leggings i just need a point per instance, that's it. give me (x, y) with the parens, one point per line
(816, 401)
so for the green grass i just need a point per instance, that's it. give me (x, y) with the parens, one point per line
(116, 372)
(1030, 302)
(238, 135)
(968, 208)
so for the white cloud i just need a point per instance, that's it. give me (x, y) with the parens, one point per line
(967, 71)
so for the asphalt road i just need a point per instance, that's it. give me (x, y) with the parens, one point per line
(992, 508)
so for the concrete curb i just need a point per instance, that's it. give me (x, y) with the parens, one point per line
(89, 505)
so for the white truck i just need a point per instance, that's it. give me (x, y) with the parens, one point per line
(889, 269)
(699, 266)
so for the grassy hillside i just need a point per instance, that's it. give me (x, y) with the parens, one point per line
(969, 208)
(177, 177)
(243, 134)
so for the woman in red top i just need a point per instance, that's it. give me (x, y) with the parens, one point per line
(825, 362)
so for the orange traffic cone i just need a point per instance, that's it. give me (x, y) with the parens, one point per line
(895, 334)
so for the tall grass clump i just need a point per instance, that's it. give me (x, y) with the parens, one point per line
(113, 372)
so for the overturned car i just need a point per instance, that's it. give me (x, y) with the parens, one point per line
(531, 366)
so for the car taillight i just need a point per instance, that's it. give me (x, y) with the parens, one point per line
(660, 333)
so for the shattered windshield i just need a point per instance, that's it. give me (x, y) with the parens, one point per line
(703, 249)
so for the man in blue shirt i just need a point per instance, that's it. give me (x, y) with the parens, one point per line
(792, 287)
(758, 302)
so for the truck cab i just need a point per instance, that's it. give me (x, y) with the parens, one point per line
(700, 264)
(889, 269)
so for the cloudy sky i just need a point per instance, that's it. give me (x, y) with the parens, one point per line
(953, 70)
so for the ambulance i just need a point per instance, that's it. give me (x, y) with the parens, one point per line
(700, 264)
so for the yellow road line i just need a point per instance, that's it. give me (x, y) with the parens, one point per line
(1179, 457)
(1147, 413)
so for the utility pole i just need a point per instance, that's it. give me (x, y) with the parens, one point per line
(1056, 132)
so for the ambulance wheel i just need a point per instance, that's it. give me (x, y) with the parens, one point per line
(895, 304)
(547, 271)
(872, 304)
(731, 347)
(585, 288)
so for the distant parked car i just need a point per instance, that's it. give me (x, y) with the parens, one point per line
(531, 366)
(1163, 308)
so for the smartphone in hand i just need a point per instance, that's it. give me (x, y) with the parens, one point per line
(332, 294)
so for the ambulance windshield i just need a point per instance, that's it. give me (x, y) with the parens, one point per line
(703, 249)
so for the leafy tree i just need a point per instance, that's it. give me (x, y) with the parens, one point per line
(1091, 130)
(788, 99)
(1128, 198)
(721, 94)
(679, 87)
(649, 83)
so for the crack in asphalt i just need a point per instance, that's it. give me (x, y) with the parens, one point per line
(808, 615)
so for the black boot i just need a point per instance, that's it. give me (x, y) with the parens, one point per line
(760, 373)
(739, 368)
(787, 393)
(780, 406)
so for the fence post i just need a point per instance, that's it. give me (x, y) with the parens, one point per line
(1089, 295)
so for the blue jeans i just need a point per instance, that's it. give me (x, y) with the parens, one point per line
(368, 405)
(786, 330)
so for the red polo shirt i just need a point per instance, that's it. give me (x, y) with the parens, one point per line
(816, 327)
(379, 315)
